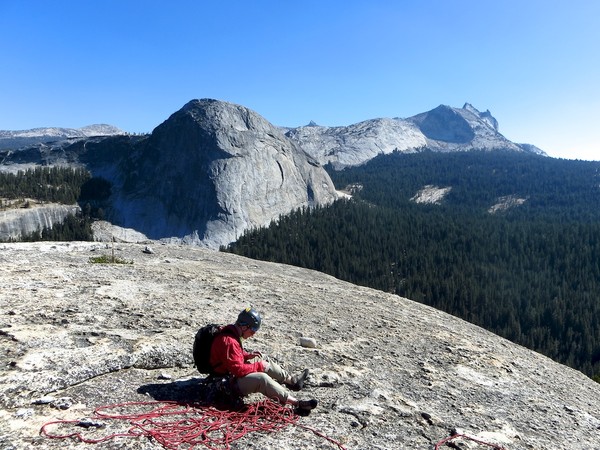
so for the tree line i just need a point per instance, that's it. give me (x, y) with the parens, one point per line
(45, 184)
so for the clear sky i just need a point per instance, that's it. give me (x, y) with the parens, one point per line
(535, 64)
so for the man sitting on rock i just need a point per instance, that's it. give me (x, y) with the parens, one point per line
(251, 372)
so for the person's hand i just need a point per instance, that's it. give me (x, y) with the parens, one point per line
(265, 366)
(256, 355)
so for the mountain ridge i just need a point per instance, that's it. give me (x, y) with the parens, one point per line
(206, 174)
(21, 138)
(442, 129)
(214, 169)
(402, 134)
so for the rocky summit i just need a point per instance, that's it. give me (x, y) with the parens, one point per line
(388, 373)
(443, 129)
(215, 169)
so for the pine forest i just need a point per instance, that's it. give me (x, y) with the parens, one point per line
(530, 272)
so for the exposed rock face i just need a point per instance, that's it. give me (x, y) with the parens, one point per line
(15, 223)
(388, 373)
(356, 144)
(506, 202)
(431, 194)
(452, 129)
(485, 116)
(445, 124)
(216, 169)
(104, 231)
(533, 149)
(442, 129)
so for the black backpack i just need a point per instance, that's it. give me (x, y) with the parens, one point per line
(202, 345)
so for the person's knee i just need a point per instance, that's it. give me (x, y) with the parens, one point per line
(263, 380)
(276, 372)
(254, 383)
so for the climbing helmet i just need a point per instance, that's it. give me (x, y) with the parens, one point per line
(249, 317)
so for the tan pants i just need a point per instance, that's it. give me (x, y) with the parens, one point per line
(266, 383)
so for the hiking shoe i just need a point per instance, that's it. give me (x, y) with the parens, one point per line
(297, 381)
(302, 412)
(307, 405)
(304, 407)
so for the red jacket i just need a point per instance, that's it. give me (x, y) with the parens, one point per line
(228, 356)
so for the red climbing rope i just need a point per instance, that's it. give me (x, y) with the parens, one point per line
(464, 436)
(175, 424)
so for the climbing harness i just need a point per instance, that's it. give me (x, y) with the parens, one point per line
(178, 425)
(221, 391)
(464, 436)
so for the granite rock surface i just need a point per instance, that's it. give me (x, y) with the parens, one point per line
(389, 373)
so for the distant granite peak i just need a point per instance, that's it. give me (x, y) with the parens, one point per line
(214, 169)
(443, 129)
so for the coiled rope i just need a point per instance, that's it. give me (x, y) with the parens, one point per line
(464, 436)
(175, 424)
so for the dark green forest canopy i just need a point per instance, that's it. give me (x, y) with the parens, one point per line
(44, 184)
(530, 274)
(557, 188)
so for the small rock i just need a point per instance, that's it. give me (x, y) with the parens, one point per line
(308, 342)
(148, 251)
(24, 413)
(89, 423)
(43, 400)
(62, 403)
(164, 376)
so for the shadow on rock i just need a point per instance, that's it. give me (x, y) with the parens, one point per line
(177, 391)
(211, 391)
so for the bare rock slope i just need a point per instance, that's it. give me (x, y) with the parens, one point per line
(15, 223)
(215, 169)
(443, 129)
(389, 373)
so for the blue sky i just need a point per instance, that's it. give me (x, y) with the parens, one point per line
(132, 63)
